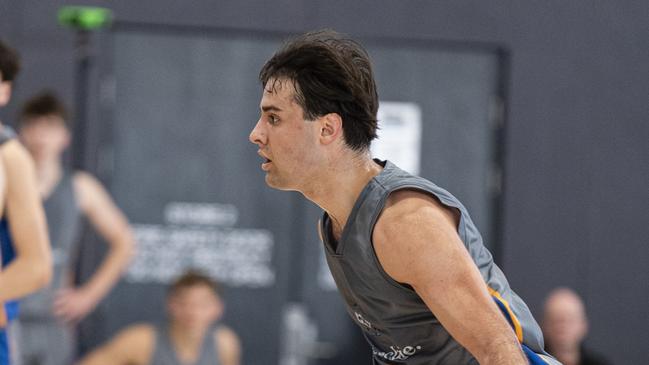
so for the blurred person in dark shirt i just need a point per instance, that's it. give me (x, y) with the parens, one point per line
(565, 326)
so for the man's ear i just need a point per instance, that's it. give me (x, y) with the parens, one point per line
(5, 92)
(68, 139)
(331, 128)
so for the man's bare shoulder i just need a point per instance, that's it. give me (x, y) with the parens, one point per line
(132, 345)
(16, 164)
(135, 342)
(139, 331)
(410, 228)
(13, 153)
(87, 189)
(84, 181)
(228, 344)
(408, 207)
(136, 338)
(225, 332)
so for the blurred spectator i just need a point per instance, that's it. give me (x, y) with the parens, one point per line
(26, 263)
(565, 326)
(191, 336)
(47, 336)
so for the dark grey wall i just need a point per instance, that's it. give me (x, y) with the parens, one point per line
(577, 165)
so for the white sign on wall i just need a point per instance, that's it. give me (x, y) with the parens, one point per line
(399, 135)
(202, 236)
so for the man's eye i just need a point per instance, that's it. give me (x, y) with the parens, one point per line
(272, 119)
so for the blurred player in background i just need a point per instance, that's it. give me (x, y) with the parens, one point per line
(24, 245)
(565, 326)
(192, 334)
(47, 319)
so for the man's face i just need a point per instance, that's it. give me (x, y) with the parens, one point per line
(564, 323)
(287, 142)
(46, 137)
(195, 307)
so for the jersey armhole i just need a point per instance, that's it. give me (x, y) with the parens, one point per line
(461, 229)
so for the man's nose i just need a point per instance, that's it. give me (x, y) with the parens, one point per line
(257, 135)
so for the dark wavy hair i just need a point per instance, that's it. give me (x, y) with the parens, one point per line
(330, 74)
(192, 278)
(9, 62)
(45, 103)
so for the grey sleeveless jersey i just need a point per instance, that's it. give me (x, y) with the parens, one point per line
(395, 321)
(164, 353)
(6, 134)
(63, 223)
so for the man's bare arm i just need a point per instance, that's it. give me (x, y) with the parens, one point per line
(32, 267)
(113, 226)
(417, 243)
(132, 346)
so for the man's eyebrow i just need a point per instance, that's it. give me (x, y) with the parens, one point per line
(270, 108)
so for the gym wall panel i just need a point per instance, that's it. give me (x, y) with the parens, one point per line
(576, 148)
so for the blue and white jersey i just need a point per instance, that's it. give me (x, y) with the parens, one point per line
(7, 253)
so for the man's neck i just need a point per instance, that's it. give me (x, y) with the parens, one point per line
(340, 185)
(48, 174)
(187, 341)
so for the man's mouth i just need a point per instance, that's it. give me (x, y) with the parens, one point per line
(266, 164)
(267, 161)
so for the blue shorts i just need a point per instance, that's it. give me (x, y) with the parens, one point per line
(4, 347)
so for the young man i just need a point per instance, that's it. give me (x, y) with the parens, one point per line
(404, 253)
(46, 334)
(191, 336)
(24, 246)
(565, 326)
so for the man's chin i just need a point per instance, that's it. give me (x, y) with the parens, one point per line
(276, 184)
(270, 181)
